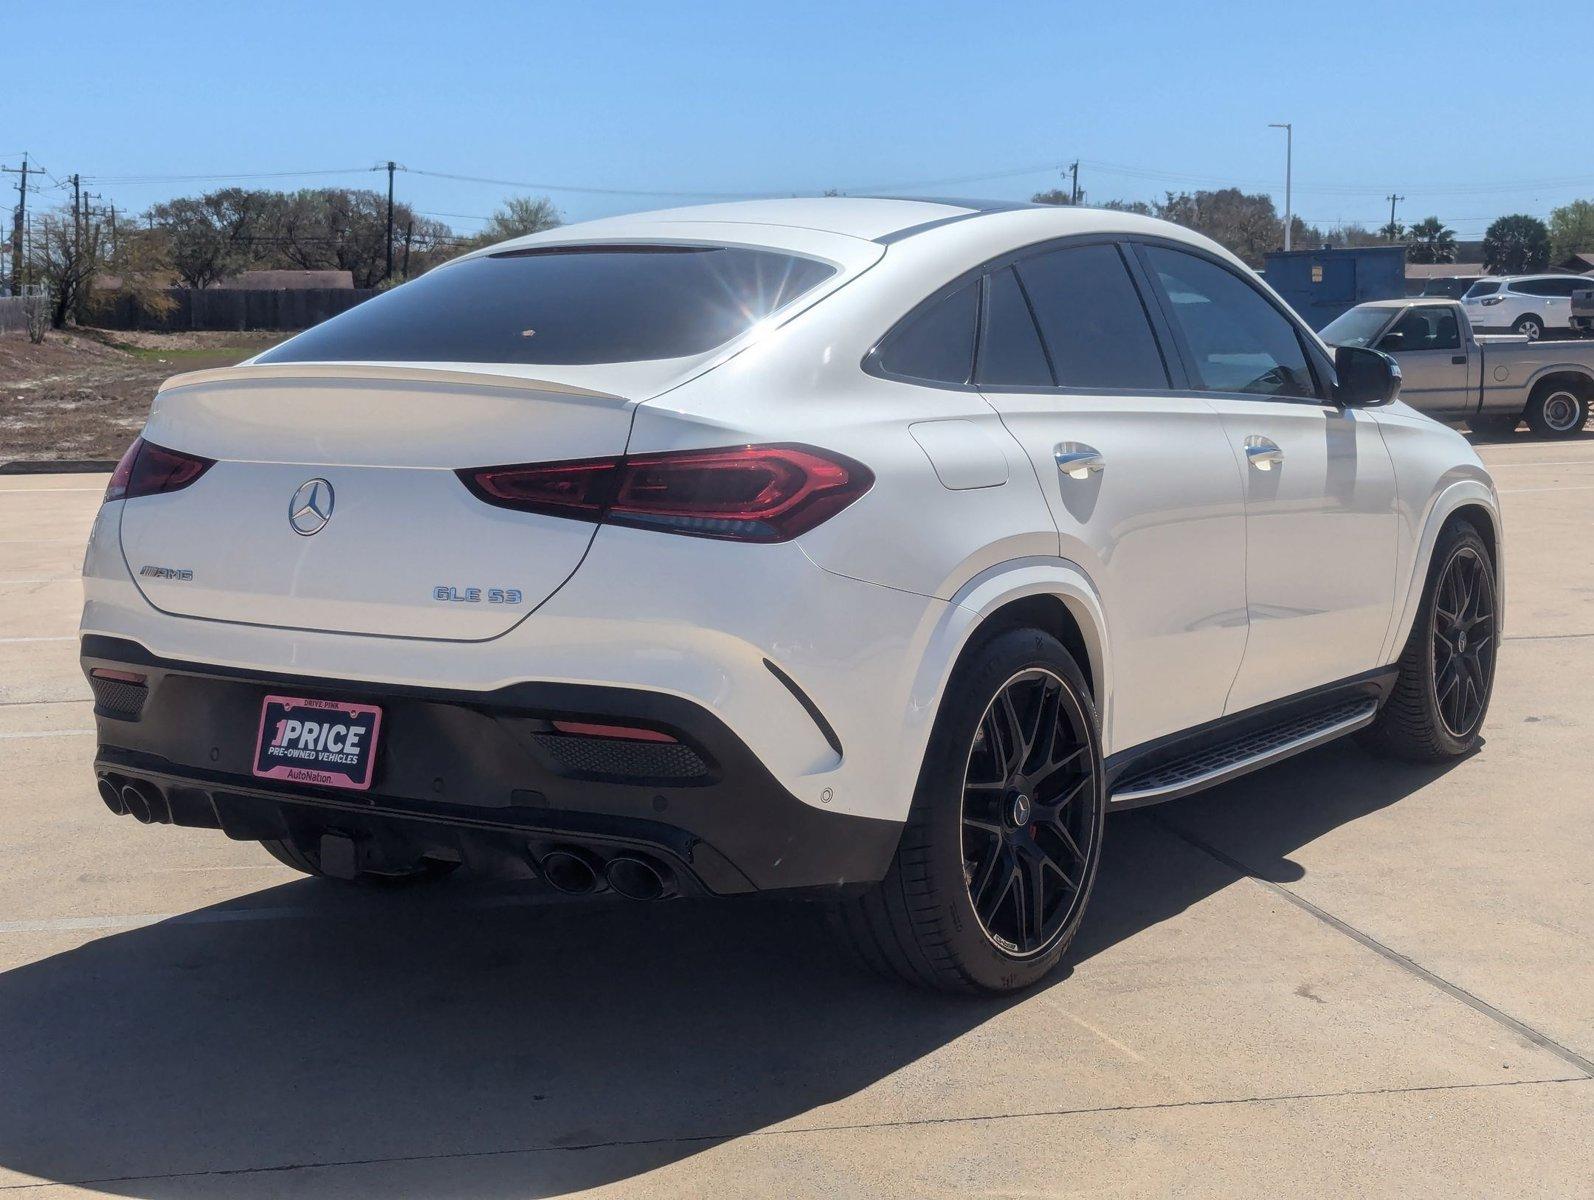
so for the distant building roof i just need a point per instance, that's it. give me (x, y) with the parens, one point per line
(1442, 270)
(289, 281)
(1581, 263)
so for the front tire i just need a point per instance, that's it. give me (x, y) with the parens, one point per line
(1557, 410)
(1000, 850)
(1441, 696)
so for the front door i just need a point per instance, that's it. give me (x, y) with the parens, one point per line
(1321, 523)
(1141, 480)
(1438, 376)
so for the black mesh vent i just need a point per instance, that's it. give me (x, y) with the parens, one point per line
(117, 698)
(621, 759)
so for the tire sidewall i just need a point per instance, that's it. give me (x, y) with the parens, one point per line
(940, 797)
(1541, 424)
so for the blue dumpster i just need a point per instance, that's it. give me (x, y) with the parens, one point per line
(1320, 284)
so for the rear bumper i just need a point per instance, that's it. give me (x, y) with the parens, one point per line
(483, 775)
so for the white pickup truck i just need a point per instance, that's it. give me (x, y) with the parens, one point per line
(1490, 381)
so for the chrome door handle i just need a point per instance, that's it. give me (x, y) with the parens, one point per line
(1263, 453)
(1077, 460)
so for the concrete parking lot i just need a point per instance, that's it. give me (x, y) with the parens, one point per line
(1338, 977)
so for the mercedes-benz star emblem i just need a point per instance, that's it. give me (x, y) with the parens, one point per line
(311, 508)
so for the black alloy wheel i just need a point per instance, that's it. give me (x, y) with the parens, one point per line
(1029, 817)
(1463, 642)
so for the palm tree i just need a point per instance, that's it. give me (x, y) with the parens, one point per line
(1431, 242)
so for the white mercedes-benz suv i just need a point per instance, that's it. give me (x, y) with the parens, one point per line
(869, 550)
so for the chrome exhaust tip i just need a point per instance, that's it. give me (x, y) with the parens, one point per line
(111, 795)
(135, 803)
(637, 879)
(570, 871)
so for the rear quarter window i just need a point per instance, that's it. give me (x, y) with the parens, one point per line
(566, 305)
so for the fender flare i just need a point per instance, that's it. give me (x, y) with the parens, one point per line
(1475, 491)
(982, 596)
(1564, 368)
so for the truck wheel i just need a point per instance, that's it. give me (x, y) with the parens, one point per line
(1533, 327)
(1436, 709)
(1000, 849)
(305, 854)
(1494, 424)
(1557, 410)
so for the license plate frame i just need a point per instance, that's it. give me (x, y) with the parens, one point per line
(317, 756)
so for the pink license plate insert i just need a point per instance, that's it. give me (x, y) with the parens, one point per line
(324, 742)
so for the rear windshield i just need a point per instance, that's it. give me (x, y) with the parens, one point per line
(565, 305)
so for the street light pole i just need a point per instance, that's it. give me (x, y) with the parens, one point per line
(1289, 167)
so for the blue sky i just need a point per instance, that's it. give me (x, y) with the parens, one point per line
(1467, 109)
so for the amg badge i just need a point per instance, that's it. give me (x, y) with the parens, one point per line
(180, 574)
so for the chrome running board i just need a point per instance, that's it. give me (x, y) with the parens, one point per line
(1242, 755)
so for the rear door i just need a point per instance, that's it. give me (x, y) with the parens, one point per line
(1438, 375)
(1319, 482)
(1140, 477)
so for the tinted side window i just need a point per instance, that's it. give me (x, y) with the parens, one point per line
(1424, 329)
(1239, 342)
(1010, 347)
(936, 344)
(1091, 317)
(1535, 287)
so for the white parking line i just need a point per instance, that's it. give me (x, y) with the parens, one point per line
(71, 637)
(48, 733)
(1576, 487)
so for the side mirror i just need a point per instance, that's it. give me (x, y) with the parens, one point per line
(1364, 378)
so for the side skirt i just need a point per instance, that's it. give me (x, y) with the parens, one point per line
(1236, 745)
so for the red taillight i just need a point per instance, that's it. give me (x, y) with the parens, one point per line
(146, 469)
(744, 493)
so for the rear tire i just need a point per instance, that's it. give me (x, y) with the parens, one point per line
(304, 855)
(1530, 326)
(1441, 696)
(999, 853)
(1494, 424)
(1557, 410)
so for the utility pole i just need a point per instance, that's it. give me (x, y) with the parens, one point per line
(409, 233)
(389, 274)
(1073, 193)
(17, 258)
(1393, 200)
(77, 221)
(1289, 170)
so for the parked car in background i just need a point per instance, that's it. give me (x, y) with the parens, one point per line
(1451, 287)
(868, 550)
(1491, 382)
(1531, 305)
(1583, 310)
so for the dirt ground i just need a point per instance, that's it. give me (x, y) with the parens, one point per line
(84, 394)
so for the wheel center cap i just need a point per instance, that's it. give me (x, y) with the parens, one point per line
(1461, 641)
(1020, 811)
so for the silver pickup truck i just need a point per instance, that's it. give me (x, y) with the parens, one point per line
(1490, 381)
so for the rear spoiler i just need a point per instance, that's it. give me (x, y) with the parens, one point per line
(489, 375)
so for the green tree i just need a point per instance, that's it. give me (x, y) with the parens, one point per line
(1431, 242)
(1393, 231)
(1056, 196)
(1571, 230)
(519, 216)
(1516, 244)
(1245, 223)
